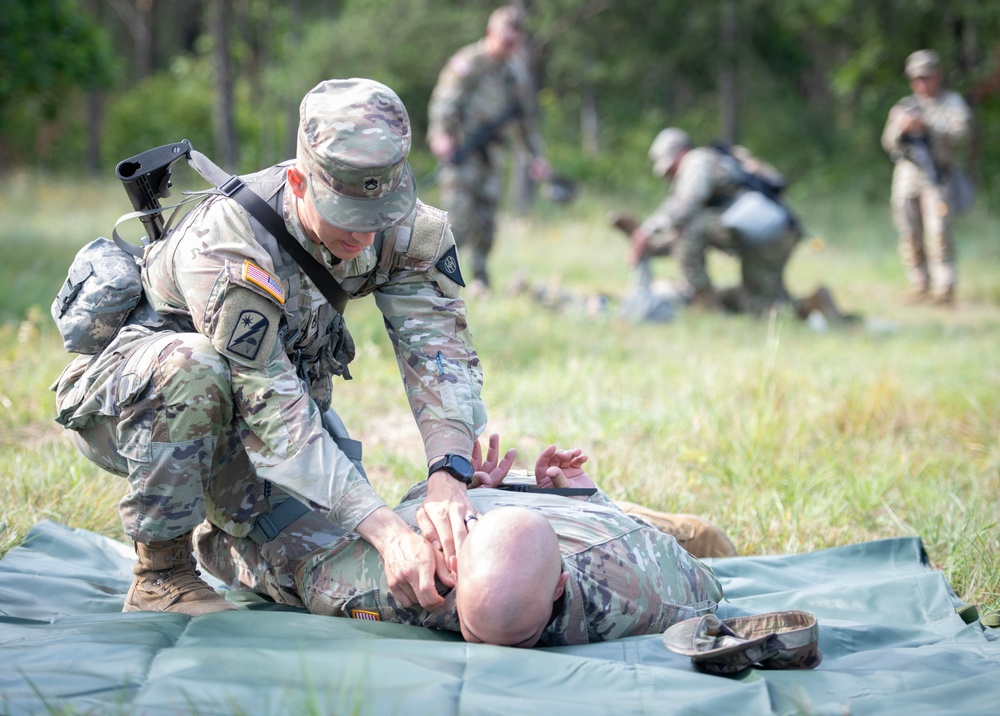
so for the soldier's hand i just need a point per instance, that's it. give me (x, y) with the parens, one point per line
(562, 468)
(411, 563)
(539, 169)
(443, 147)
(447, 514)
(491, 471)
(639, 247)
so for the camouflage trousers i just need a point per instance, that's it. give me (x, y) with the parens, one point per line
(267, 568)
(470, 193)
(925, 239)
(762, 265)
(171, 432)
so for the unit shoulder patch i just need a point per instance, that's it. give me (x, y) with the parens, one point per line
(448, 265)
(248, 334)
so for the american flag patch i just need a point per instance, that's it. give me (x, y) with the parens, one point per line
(256, 275)
(366, 615)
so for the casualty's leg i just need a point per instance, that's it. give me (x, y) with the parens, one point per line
(698, 537)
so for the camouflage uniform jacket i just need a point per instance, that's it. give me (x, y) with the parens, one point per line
(949, 123)
(474, 90)
(705, 179)
(216, 274)
(626, 578)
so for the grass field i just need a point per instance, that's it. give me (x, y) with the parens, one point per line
(790, 439)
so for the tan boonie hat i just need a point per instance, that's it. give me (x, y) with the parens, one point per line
(354, 137)
(776, 640)
(666, 148)
(922, 63)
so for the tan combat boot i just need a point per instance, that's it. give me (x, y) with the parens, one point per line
(166, 580)
(698, 537)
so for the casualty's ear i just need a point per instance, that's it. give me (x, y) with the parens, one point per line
(297, 181)
(560, 586)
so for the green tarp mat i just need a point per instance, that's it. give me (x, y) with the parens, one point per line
(891, 638)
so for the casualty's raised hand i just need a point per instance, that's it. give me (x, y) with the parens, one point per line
(562, 468)
(491, 471)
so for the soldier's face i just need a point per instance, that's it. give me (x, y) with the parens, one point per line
(343, 244)
(927, 86)
(522, 636)
(503, 42)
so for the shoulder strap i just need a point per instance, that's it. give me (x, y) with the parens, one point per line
(235, 188)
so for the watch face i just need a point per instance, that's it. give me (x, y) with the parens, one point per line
(462, 467)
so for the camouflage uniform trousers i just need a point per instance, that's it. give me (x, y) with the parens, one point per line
(705, 230)
(925, 239)
(762, 265)
(267, 568)
(470, 193)
(173, 437)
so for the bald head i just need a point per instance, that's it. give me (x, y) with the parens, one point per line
(509, 573)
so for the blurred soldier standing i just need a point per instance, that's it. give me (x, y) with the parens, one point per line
(482, 89)
(923, 135)
(706, 184)
(214, 399)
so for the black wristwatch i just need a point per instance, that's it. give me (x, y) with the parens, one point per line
(460, 468)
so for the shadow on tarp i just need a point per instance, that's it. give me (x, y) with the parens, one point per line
(891, 639)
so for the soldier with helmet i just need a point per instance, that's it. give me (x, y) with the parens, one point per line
(924, 133)
(724, 198)
(483, 95)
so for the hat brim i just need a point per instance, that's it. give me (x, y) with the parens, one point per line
(366, 215)
(922, 72)
(773, 640)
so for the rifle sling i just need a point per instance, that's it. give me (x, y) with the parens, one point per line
(235, 188)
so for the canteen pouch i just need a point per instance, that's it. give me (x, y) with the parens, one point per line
(756, 218)
(104, 284)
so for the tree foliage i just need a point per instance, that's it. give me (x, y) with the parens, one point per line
(814, 78)
(48, 48)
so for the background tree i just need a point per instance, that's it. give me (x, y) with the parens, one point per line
(806, 83)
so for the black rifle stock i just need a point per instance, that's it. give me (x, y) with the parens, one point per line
(918, 151)
(146, 178)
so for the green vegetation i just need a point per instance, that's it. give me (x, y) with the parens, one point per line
(789, 439)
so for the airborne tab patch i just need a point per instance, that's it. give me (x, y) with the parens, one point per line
(448, 265)
(366, 615)
(251, 327)
(259, 277)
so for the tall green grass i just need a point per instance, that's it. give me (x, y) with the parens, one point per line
(790, 439)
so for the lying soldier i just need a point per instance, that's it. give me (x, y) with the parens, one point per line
(536, 568)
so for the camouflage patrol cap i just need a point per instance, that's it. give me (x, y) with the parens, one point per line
(922, 63)
(776, 640)
(354, 137)
(666, 148)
